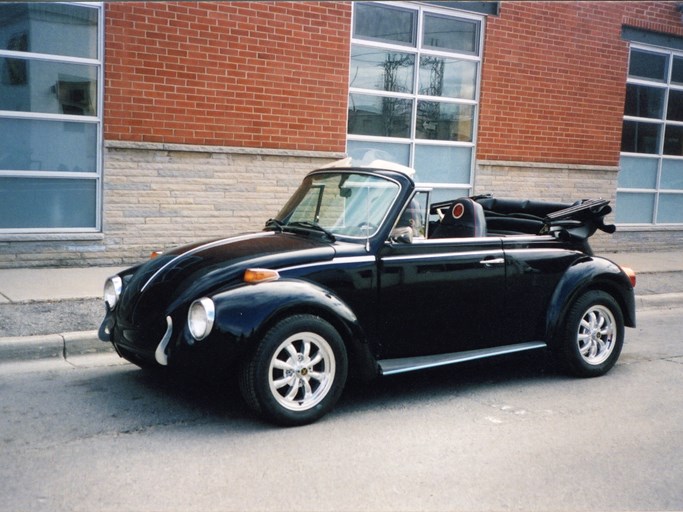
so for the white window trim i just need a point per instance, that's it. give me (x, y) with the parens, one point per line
(659, 156)
(418, 50)
(97, 175)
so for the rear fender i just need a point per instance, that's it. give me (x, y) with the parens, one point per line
(590, 273)
(245, 313)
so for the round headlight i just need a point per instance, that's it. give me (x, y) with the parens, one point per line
(200, 318)
(112, 291)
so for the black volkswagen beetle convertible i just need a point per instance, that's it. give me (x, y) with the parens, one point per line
(361, 274)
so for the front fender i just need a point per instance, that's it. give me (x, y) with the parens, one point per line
(245, 313)
(590, 273)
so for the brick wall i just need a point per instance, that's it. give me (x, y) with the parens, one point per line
(554, 79)
(240, 74)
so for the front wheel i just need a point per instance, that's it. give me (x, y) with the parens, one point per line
(593, 335)
(297, 372)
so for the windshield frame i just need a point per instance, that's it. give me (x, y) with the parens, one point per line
(312, 181)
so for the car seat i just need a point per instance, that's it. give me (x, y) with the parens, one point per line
(462, 219)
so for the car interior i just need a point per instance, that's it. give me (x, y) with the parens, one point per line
(480, 216)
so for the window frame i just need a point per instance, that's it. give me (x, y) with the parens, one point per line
(96, 175)
(662, 123)
(419, 51)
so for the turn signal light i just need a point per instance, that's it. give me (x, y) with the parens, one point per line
(631, 275)
(259, 275)
(155, 254)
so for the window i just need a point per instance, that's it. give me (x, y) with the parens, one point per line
(650, 183)
(414, 90)
(50, 117)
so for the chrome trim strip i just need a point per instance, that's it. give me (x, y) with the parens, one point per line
(437, 256)
(408, 364)
(333, 261)
(160, 353)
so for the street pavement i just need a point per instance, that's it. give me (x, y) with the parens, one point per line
(55, 312)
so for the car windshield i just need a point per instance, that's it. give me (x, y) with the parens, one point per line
(346, 204)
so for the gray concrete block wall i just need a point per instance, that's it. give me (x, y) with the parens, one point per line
(157, 196)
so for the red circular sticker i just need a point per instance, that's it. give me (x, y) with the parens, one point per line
(458, 210)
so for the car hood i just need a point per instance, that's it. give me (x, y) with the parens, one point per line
(162, 285)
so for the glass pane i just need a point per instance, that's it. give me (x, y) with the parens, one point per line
(447, 194)
(642, 101)
(48, 87)
(677, 71)
(58, 29)
(638, 137)
(384, 23)
(365, 152)
(381, 70)
(46, 203)
(442, 164)
(454, 78)
(672, 174)
(638, 172)
(379, 115)
(633, 208)
(648, 65)
(444, 121)
(36, 145)
(675, 110)
(670, 209)
(450, 33)
(673, 140)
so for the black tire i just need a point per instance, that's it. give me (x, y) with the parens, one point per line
(592, 336)
(297, 372)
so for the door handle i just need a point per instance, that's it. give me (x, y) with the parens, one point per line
(489, 262)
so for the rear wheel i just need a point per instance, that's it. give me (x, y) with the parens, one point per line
(297, 372)
(593, 335)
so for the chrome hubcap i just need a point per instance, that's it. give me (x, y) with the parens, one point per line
(597, 335)
(301, 371)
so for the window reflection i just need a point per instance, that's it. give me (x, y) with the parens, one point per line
(448, 77)
(450, 33)
(384, 23)
(444, 121)
(675, 110)
(381, 70)
(30, 27)
(640, 137)
(643, 101)
(677, 71)
(648, 65)
(673, 140)
(48, 87)
(379, 115)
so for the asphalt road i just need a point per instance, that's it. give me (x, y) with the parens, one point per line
(94, 434)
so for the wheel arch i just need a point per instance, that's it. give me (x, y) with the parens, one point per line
(271, 302)
(584, 275)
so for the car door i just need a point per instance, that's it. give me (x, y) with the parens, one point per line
(440, 296)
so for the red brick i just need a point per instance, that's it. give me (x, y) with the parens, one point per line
(213, 64)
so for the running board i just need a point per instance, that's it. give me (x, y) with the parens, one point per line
(409, 364)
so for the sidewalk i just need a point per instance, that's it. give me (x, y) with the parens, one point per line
(55, 312)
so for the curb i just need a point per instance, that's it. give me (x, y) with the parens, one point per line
(70, 344)
(52, 346)
(659, 301)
